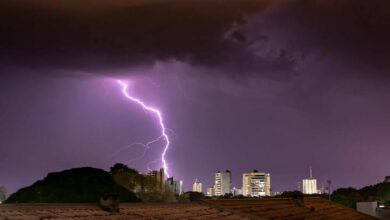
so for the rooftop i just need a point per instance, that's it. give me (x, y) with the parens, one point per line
(311, 208)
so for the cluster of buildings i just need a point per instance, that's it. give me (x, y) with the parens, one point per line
(155, 181)
(254, 184)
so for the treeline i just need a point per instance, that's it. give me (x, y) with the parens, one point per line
(148, 187)
(78, 185)
(87, 185)
(350, 196)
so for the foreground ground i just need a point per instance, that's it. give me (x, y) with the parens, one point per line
(313, 208)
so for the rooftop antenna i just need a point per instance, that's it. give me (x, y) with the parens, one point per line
(311, 172)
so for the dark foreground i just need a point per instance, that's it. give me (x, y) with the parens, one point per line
(313, 208)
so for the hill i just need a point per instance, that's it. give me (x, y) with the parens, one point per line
(78, 185)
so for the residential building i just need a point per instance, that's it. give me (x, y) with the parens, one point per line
(309, 186)
(223, 181)
(154, 181)
(175, 186)
(197, 186)
(256, 184)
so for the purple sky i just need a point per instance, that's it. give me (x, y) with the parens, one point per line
(274, 86)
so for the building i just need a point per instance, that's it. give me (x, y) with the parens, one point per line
(222, 184)
(321, 190)
(236, 191)
(368, 208)
(175, 186)
(256, 184)
(197, 186)
(210, 192)
(2, 194)
(309, 186)
(154, 181)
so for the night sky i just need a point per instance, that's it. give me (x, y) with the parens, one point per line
(276, 86)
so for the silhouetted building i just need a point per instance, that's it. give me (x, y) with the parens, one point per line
(223, 181)
(256, 184)
(175, 186)
(309, 186)
(154, 181)
(197, 186)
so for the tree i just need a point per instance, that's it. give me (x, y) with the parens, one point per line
(292, 194)
(193, 196)
(70, 186)
(129, 178)
(347, 197)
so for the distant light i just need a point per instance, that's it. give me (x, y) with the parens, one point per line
(381, 206)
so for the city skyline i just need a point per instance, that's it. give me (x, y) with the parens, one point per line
(276, 86)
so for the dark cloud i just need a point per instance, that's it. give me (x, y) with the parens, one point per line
(240, 37)
(274, 85)
(97, 34)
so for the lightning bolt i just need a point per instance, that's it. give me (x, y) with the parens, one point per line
(157, 113)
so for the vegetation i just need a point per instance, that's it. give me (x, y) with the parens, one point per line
(129, 178)
(192, 196)
(77, 185)
(350, 196)
(146, 187)
(291, 194)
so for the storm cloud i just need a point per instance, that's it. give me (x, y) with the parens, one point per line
(273, 85)
(240, 37)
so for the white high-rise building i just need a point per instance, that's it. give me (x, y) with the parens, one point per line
(309, 186)
(222, 184)
(256, 184)
(197, 186)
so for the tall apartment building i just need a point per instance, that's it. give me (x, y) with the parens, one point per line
(309, 186)
(256, 184)
(223, 182)
(197, 186)
(175, 186)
